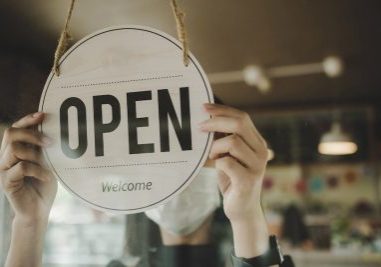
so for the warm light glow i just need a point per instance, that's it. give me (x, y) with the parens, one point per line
(337, 148)
(333, 66)
(270, 154)
(255, 76)
(337, 142)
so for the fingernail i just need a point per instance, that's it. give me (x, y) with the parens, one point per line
(37, 114)
(46, 141)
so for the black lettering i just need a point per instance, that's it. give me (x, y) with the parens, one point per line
(115, 187)
(106, 187)
(82, 127)
(101, 128)
(149, 184)
(134, 123)
(166, 110)
(140, 186)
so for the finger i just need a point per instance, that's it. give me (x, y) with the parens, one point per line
(226, 111)
(29, 120)
(234, 126)
(237, 173)
(26, 169)
(223, 182)
(17, 151)
(235, 146)
(26, 136)
(222, 110)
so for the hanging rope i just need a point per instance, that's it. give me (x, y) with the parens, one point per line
(181, 32)
(63, 42)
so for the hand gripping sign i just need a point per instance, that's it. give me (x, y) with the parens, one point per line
(123, 117)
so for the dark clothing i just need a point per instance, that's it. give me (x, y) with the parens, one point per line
(198, 256)
(240, 262)
(181, 256)
(188, 256)
(294, 228)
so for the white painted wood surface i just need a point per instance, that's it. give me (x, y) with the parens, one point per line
(119, 62)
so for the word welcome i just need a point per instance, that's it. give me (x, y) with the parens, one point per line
(124, 186)
(166, 112)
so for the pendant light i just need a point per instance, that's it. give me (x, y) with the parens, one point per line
(337, 142)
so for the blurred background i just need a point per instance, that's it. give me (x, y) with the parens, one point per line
(306, 71)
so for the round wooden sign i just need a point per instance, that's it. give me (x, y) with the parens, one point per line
(123, 118)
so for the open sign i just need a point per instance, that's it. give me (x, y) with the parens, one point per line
(166, 112)
(123, 116)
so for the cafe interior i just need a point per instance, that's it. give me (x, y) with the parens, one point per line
(305, 71)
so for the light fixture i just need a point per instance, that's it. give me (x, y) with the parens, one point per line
(256, 76)
(336, 142)
(333, 66)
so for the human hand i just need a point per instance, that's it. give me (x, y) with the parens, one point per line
(241, 159)
(27, 182)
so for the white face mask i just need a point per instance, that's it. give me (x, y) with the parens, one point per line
(186, 212)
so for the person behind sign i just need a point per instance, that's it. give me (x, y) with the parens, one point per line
(240, 158)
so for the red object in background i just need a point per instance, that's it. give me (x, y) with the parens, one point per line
(301, 186)
(332, 182)
(268, 183)
(351, 177)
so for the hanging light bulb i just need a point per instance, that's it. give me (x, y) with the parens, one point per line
(336, 142)
(255, 76)
(333, 66)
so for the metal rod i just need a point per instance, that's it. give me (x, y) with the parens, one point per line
(226, 77)
(274, 72)
(295, 70)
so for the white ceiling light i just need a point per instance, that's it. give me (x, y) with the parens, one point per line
(336, 142)
(333, 66)
(254, 75)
